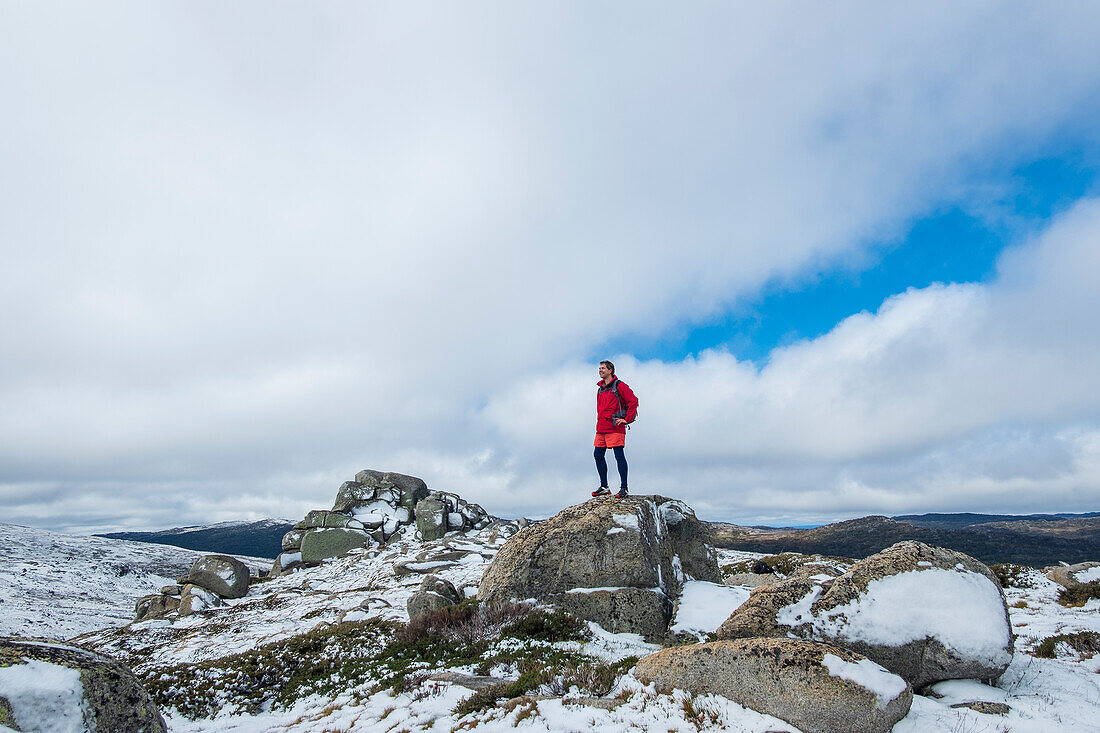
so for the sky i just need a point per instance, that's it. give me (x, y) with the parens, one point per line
(843, 254)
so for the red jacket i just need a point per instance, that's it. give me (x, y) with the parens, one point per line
(609, 407)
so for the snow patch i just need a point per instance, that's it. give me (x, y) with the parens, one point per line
(963, 610)
(1087, 576)
(704, 606)
(45, 697)
(884, 684)
(615, 530)
(630, 521)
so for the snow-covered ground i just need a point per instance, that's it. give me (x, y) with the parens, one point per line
(55, 585)
(1059, 694)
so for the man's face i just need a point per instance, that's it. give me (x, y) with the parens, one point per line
(604, 372)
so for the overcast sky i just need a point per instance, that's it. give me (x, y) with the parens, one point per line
(846, 256)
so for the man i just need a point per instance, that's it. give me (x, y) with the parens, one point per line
(616, 407)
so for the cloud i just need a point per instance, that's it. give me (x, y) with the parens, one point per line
(262, 249)
(962, 396)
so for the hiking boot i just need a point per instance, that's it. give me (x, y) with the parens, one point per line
(602, 491)
(621, 493)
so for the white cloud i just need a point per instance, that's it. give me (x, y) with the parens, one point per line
(962, 396)
(262, 245)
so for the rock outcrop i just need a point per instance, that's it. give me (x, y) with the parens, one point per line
(815, 687)
(1074, 576)
(372, 510)
(958, 630)
(620, 563)
(211, 579)
(43, 682)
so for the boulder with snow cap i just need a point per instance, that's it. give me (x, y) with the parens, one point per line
(292, 540)
(227, 576)
(405, 490)
(194, 598)
(1073, 576)
(815, 687)
(435, 592)
(925, 613)
(600, 558)
(51, 686)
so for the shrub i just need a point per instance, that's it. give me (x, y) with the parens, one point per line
(1011, 575)
(1079, 595)
(1083, 642)
(277, 673)
(784, 563)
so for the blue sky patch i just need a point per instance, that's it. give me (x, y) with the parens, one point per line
(953, 245)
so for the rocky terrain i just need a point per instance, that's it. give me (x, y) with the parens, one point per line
(612, 614)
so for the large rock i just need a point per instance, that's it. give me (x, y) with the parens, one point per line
(227, 576)
(43, 683)
(435, 592)
(605, 557)
(194, 599)
(644, 611)
(431, 517)
(320, 518)
(155, 606)
(815, 687)
(322, 544)
(925, 613)
(369, 484)
(1074, 576)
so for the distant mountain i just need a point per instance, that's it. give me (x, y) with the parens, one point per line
(254, 539)
(1028, 541)
(966, 519)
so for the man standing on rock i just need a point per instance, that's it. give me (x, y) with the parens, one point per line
(616, 407)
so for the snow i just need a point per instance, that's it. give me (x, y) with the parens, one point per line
(630, 521)
(1043, 694)
(888, 613)
(45, 697)
(885, 685)
(615, 530)
(58, 585)
(1087, 576)
(704, 606)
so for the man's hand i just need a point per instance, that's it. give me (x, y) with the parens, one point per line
(620, 421)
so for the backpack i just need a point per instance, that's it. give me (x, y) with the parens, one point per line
(622, 405)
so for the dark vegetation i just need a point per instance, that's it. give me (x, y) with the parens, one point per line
(967, 519)
(1082, 642)
(336, 657)
(1079, 595)
(1036, 543)
(1010, 575)
(257, 539)
(784, 563)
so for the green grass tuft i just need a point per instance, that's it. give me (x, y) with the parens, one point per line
(1083, 642)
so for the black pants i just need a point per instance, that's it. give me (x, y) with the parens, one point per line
(601, 464)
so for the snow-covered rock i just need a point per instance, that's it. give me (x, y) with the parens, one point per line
(923, 612)
(55, 687)
(815, 687)
(620, 563)
(1072, 576)
(222, 574)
